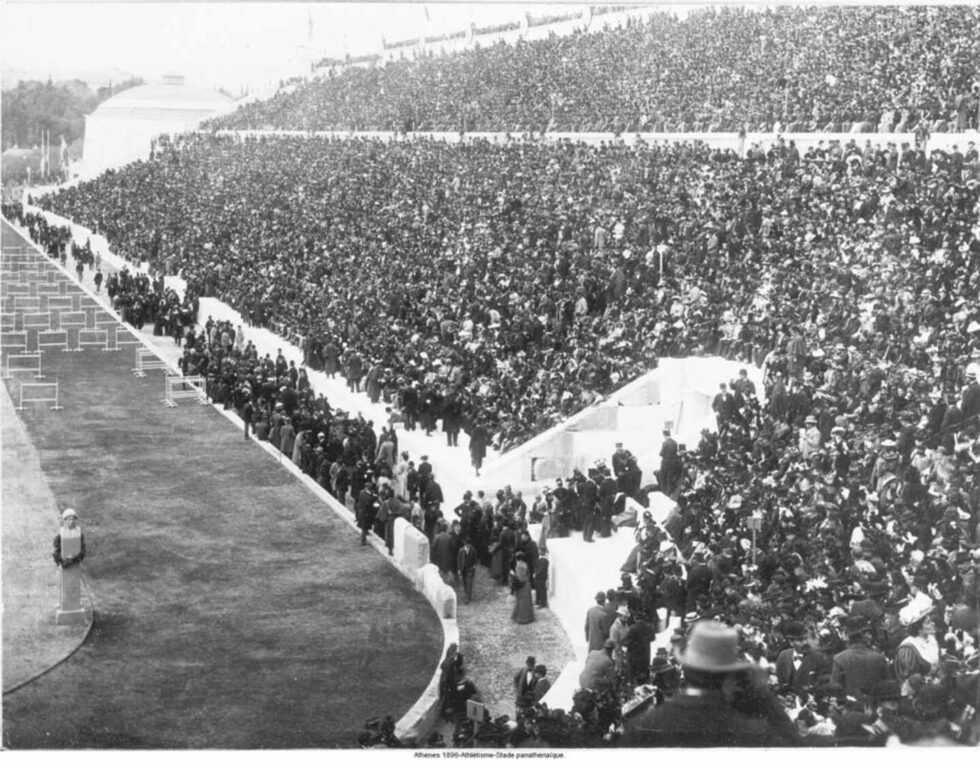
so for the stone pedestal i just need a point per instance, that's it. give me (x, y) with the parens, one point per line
(70, 609)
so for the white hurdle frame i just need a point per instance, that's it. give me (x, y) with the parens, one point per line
(54, 339)
(196, 392)
(128, 337)
(36, 370)
(32, 386)
(10, 339)
(147, 361)
(96, 338)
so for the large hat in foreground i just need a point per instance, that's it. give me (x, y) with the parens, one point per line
(712, 647)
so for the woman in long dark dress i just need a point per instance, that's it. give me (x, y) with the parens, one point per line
(498, 564)
(523, 602)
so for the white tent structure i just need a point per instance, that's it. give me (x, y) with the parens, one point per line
(120, 130)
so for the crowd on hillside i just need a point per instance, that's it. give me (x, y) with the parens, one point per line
(519, 282)
(785, 68)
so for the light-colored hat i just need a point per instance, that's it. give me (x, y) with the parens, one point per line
(68, 513)
(623, 610)
(712, 647)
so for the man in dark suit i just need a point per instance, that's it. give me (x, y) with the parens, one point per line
(466, 567)
(443, 552)
(704, 714)
(588, 496)
(670, 465)
(858, 668)
(541, 682)
(524, 684)
(799, 666)
(599, 673)
(607, 499)
(541, 578)
(365, 508)
(596, 630)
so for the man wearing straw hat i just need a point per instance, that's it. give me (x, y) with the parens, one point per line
(707, 712)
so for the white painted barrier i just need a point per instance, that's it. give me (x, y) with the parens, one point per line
(90, 338)
(28, 362)
(184, 388)
(62, 303)
(13, 340)
(414, 547)
(147, 361)
(40, 321)
(71, 319)
(52, 340)
(27, 303)
(39, 393)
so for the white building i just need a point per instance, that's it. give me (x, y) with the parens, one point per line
(120, 130)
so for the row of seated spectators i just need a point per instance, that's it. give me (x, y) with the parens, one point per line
(786, 68)
(528, 280)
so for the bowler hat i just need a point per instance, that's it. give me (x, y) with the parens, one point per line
(794, 629)
(856, 625)
(712, 647)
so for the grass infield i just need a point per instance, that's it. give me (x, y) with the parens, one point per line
(232, 610)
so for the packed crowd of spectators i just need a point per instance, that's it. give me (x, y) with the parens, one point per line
(523, 281)
(785, 68)
(856, 601)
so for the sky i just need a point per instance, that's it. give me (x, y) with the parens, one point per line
(229, 44)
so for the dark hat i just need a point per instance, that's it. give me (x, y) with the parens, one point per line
(856, 625)
(794, 630)
(609, 644)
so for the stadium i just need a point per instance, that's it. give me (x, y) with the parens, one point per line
(598, 377)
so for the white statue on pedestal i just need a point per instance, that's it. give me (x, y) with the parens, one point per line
(69, 551)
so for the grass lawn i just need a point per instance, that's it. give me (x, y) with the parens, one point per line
(232, 610)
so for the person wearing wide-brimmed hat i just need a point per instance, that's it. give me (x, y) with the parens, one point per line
(918, 653)
(858, 668)
(709, 711)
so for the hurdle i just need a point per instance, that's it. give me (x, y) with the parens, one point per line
(122, 330)
(27, 303)
(48, 289)
(39, 393)
(10, 320)
(196, 392)
(37, 320)
(71, 318)
(147, 361)
(17, 363)
(88, 337)
(61, 303)
(9, 339)
(52, 339)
